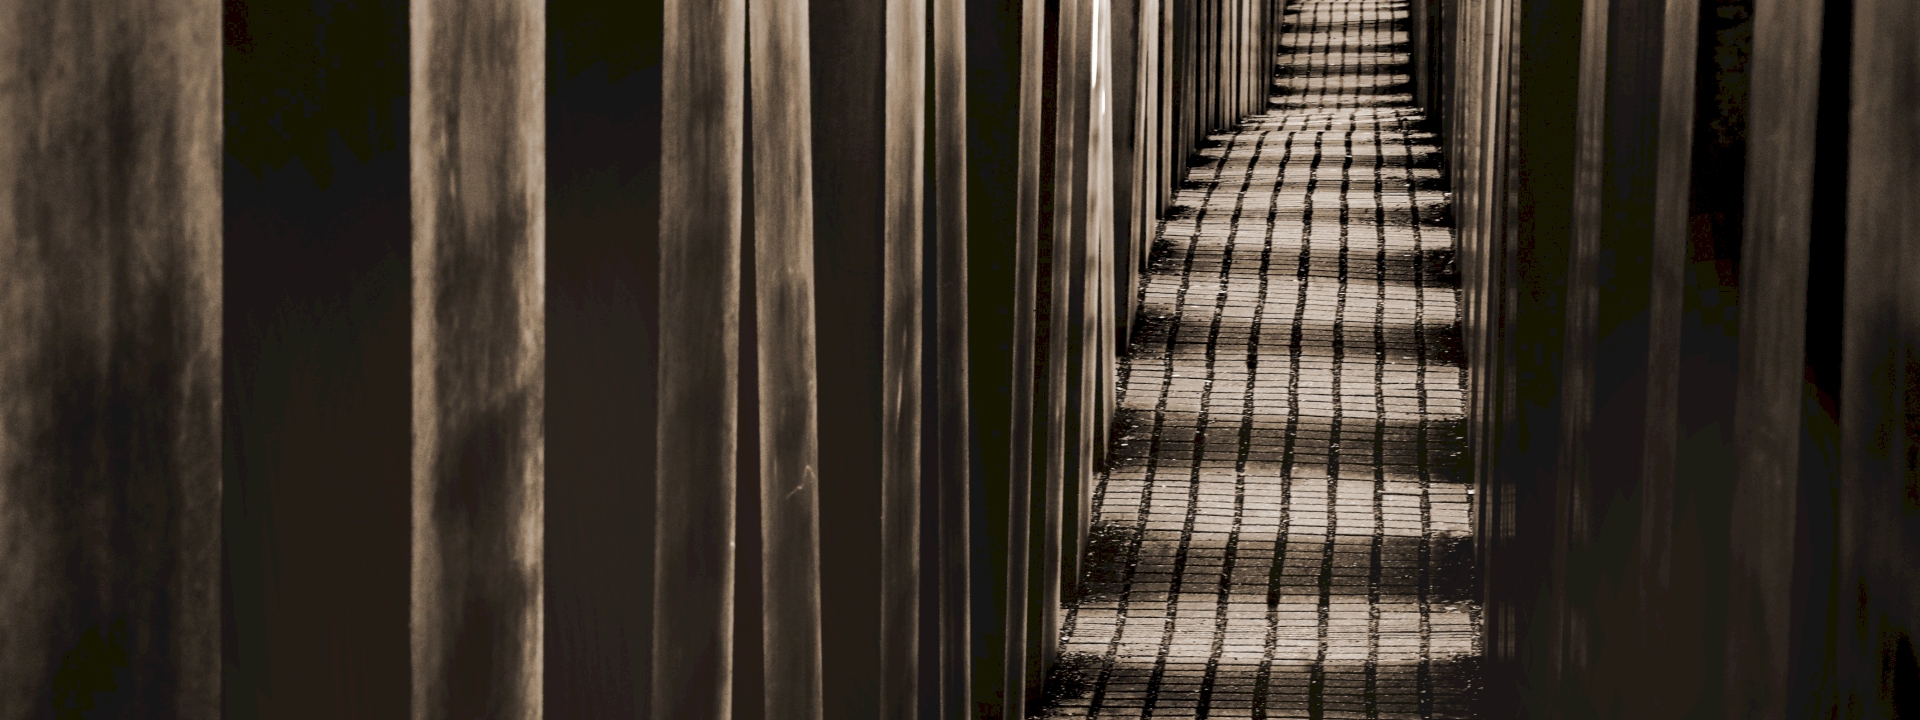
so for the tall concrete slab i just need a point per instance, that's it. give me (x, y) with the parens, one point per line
(1877, 672)
(110, 251)
(702, 133)
(1783, 112)
(477, 137)
(784, 364)
(869, 122)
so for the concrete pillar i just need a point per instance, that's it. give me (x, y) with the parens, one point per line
(950, 410)
(869, 103)
(785, 355)
(479, 319)
(703, 78)
(1877, 670)
(1005, 59)
(1168, 91)
(905, 71)
(1522, 290)
(1126, 57)
(1061, 325)
(1773, 399)
(110, 253)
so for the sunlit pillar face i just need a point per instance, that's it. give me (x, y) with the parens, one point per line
(1099, 30)
(1094, 77)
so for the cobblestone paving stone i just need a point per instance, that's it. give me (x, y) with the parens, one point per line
(1283, 529)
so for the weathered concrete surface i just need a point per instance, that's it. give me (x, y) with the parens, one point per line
(110, 371)
(786, 398)
(479, 307)
(946, 648)
(1783, 112)
(702, 130)
(1877, 641)
(869, 89)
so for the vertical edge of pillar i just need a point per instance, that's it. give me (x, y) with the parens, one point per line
(1173, 92)
(1002, 78)
(701, 190)
(1114, 309)
(1526, 71)
(1066, 330)
(479, 194)
(1072, 330)
(196, 434)
(1565, 466)
(1660, 617)
(1128, 102)
(1420, 41)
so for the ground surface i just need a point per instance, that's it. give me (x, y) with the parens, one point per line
(1283, 532)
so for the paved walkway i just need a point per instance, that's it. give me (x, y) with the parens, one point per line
(1283, 532)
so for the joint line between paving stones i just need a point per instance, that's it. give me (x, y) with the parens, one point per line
(1263, 678)
(1316, 689)
(1379, 431)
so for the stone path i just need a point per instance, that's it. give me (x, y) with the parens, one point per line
(1283, 531)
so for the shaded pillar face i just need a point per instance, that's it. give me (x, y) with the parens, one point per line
(110, 371)
(868, 124)
(947, 540)
(1002, 89)
(1878, 630)
(1523, 72)
(317, 315)
(1650, 359)
(1060, 327)
(703, 76)
(1772, 403)
(603, 152)
(479, 313)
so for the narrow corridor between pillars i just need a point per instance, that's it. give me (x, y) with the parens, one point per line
(1282, 531)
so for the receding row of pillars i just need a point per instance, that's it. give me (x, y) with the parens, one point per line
(1685, 231)
(429, 359)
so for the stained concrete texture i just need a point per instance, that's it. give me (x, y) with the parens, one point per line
(1283, 529)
